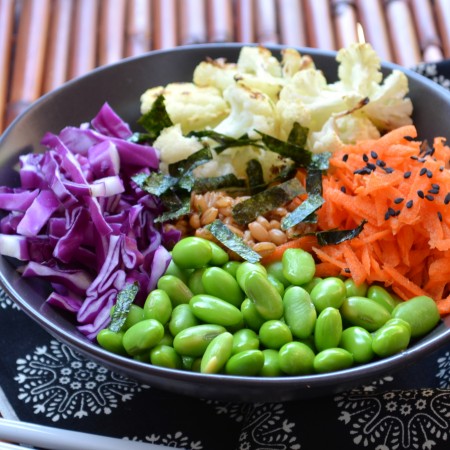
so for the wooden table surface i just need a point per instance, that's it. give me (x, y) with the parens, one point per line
(44, 43)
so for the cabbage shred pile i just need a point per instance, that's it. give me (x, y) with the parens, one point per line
(80, 222)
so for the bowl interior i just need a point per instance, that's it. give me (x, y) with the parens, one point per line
(121, 85)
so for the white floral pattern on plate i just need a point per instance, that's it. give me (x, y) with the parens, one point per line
(6, 302)
(175, 440)
(264, 425)
(444, 371)
(61, 384)
(395, 420)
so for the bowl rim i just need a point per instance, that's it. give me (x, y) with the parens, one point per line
(355, 374)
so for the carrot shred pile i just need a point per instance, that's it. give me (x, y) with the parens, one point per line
(402, 188)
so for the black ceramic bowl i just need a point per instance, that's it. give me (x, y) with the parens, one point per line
(121, 85)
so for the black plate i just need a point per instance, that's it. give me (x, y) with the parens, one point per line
(121, 85)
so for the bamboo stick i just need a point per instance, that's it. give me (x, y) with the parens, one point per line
(292, 22)
(245, 21)
(84, 38)
(139, 27)
(193, 22)
(442, 11)
(266, 22)
(57, 62)
(165, 24)
(6, 43)
(345, 21)
(220, 21)
(320, 26)
(29, 56)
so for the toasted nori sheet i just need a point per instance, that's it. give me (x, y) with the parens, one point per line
(125, 298)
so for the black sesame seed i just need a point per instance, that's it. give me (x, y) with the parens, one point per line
(347, 270)
(433, 191)
(398, 200)
(423, 171)
(343, 189)
(345, 158)
(441, 169)
(371, 166)
(373, 154)
(363, 171)
(380, 163)
(447, 199)
(365, 158)
(429, 173)
(409, 204)
(397, 212)
(407, 174)
(414, 157)
(387, 216)
(435, 186)
(388, 169)
(429, 197)
(420, 194)
(408, 138)
(439, 216)
(391, 211)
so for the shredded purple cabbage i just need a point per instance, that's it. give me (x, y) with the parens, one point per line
(80, 222)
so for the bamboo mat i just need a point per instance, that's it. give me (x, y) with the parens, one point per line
(44, 43)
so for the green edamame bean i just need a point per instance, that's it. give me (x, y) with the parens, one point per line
(271, 366)
(267, 300)
(328, 329)
(364, 312)
(296, 358)
(231, 267)
(278, 285)
(219, 256)
(187, 362)
(217, 353)
(173, 269)
(245, 269)
(308, 287)
(192, 253)
(252, 318)
(214, 310)
(245, 339)
(276, 270)
(177, 291)
(246, 363)
(358, 341)
(158, 306)
(219, 283)
(420, 312)
(182, 318)
(167, 339)
(299, 312)
(111, 341)
(142, 336)
(193, 341)
(330, 291)
(135, 315)
(332, 359)
(353, 289)
(382, 297)
(194, 282)
(165, 356)
(274, 334)
(391, 338)
(298, 266)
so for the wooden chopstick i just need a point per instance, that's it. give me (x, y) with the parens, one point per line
(429, 40)
(403, 33)
(165, 24)
(292, 23)
(6, 44)
(266, 22)
(373, 20)
(112, 31)
(319, 25)
(220, 20)
(84, 38)
(345, 21)
(245, 21)
(193, 22)
(29, 56)
(138, 29)
(442, 12)
(56, 61)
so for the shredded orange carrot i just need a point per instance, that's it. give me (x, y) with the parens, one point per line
(402, 188)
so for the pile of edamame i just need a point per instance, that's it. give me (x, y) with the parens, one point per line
(212, 315)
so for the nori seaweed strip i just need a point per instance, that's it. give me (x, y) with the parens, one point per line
(309, 206)
(177, 209)
(224, 141)
(298, 135)
(155, 183)
(229, 180)
(232, 241)
(333, 237)
(156, 119)
(255, 176)
(298, 154)
(265, 201)
(320, 161)
(314, 182)
(125, 298)
(188, 164)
